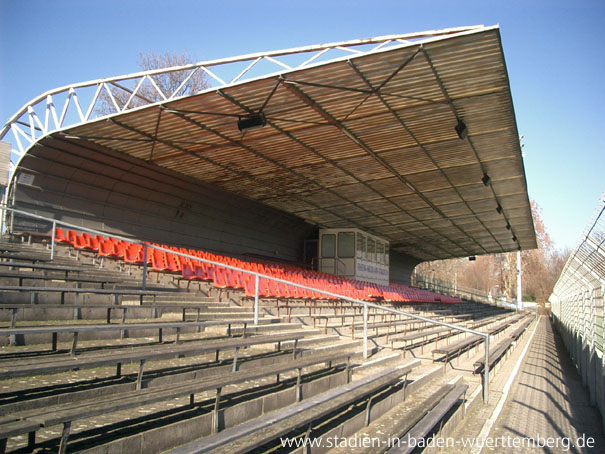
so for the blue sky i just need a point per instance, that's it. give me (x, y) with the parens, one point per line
(554, 51)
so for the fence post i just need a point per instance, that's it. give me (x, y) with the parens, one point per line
(365, 330)
(52, 242)
(486, 372)
(3, 219)
(144, 267)
(256, 285)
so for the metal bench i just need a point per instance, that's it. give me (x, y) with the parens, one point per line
(116, 293)
(26, 255)
(184, 308)
(10, 427)
(502, 347)
(33, 276)
(455, 350)
(32, 420)
(343, 317)
(397, 428)
(76, 329)
(430, 420)
(516, 334)
(335, 307)
(50, 267)
(433, 334)
(495, 354)
(259, 431)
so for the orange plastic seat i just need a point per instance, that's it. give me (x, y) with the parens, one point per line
(60, 236)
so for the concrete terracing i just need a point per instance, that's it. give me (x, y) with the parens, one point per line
(165, 424)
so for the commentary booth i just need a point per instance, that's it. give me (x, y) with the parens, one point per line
(354, 254)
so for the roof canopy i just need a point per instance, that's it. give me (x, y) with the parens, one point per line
(365, 141)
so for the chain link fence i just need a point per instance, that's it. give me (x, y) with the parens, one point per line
(577, 305)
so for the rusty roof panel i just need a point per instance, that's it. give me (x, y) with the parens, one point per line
(379, 206)
(390, 187)
(443, 197)
(357, 192)
(451, 153)
(429, 181)
(408, 161)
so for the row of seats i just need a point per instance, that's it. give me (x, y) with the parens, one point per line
(224, 278)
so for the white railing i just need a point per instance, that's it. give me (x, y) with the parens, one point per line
(447, 288)
(257, 276)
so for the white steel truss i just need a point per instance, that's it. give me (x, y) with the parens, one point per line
(75, 104)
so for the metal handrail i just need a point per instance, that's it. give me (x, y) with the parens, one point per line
(366, 305)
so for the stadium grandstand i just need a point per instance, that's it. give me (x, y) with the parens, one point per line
(228, 270)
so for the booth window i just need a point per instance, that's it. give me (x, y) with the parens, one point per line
(371, 250)
(379, 252)
(346, 245)
(361, 246)
(328, 245)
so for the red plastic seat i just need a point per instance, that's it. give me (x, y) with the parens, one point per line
(237, 279)
(133, 254)
(91, 243)
(108, 249)
(173, 263)
(71, 237)
(79, 242)
(188, 272)
(195, 271)
(158, 260)
(249, 287)
(219, 278)
(184, 260)
(60, 236)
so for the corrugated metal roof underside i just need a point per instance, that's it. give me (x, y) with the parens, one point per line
(367, 142)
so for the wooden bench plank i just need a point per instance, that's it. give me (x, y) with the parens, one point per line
(420, 334)
(29, 257)
(521, 329)
(462, 344)
(17, 427)
(502, 347)
(495, 354)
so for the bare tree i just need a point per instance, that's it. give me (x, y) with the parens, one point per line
(541, 268)
(145, 91)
